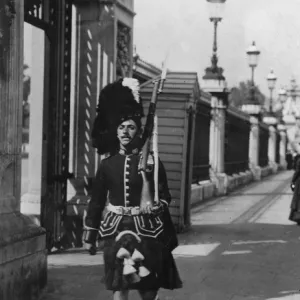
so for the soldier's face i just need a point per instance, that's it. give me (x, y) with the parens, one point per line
(126, 132)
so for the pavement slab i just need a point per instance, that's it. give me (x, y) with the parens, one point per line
(240, 247)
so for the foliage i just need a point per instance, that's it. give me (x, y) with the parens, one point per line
(241, 94)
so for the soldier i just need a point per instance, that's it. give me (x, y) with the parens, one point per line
(138, 236)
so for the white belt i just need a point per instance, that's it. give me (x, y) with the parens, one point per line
(122, 210)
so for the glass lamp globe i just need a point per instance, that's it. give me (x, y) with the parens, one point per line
(253, 54)
(282, 95)
(271, 80)
(216, 9)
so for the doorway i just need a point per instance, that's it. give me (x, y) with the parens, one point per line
(46, 114)
(32, 121)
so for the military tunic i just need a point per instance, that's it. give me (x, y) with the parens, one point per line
(119, 183)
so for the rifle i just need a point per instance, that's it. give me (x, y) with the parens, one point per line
(151, 124)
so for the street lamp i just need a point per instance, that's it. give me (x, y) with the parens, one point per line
(271, 78)
(253, 54)
(282, 95)
(216, 9)
(252, 107)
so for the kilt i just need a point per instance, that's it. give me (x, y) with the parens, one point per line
(157, 260)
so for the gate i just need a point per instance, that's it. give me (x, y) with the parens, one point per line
(54, 18)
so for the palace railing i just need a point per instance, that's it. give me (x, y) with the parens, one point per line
(237, 130)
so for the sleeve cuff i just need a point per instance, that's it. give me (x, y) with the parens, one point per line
(164, 202)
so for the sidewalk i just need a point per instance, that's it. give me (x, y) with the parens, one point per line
(241, 247)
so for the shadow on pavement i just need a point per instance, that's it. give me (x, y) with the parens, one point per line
(246, 262)
(251, 261)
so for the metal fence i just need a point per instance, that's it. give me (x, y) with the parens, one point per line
(237, 130)
(263, 145)
(277, 159)
(201, 143)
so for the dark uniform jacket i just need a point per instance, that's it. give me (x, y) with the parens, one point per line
(118, 181)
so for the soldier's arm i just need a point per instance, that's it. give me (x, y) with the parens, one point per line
(96, 205)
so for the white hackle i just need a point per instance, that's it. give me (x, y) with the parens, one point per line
(134, 85)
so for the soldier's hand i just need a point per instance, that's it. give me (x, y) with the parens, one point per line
(146, 207)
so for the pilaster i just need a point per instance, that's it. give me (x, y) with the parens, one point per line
(217, 140)
(23, 260)
(254, 148)
(272, 149)
(283, 146)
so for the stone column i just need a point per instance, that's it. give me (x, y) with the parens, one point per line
(282, 147)
(23, 262)
(254, 149)
(212, 146)
(272, 149)
(221, 136)
(217, 140)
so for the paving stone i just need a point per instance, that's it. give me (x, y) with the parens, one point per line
(259, 267)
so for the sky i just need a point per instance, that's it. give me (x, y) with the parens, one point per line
(183, 28)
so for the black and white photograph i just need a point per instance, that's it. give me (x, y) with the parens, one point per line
(149, 150)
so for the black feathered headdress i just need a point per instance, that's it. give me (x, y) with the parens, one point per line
(118, 101)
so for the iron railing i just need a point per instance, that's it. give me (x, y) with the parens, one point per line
(201, 142)
(263, 145)
(237, 131)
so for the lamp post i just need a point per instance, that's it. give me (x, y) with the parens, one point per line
(282, 95)
(215, 84)
(252, 106)
(271, 78)
(270, 117)
(216, 9)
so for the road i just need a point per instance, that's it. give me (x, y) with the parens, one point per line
(240, 247)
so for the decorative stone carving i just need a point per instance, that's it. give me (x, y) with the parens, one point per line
(123, 50)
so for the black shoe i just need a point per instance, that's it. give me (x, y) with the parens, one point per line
(93, 250)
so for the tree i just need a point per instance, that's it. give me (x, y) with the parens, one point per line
(239, 95)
